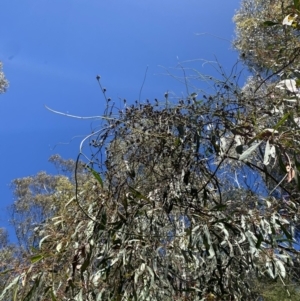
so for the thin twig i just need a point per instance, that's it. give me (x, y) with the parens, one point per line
(143, 84)
(78, 117)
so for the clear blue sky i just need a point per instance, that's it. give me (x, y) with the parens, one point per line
(53, 50)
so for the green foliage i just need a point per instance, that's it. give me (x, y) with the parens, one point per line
(96, 175)
(263, 43)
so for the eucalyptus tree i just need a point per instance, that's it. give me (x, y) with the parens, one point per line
(194, 198)
(37, 199)
(165, 213)
(263, 47)
(3, 80)
(272, 53)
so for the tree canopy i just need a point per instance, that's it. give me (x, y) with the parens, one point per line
(3, 80)
(261, 46)
(188, 198)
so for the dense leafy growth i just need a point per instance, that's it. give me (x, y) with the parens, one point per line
(262, 40)
(192, 198)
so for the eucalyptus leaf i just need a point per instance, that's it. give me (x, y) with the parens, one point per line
(270, 23)
(34, 287)
(36, 258)
(267, 155)
(280, 268)
(96, 175)
(8, 287)
(249, 151)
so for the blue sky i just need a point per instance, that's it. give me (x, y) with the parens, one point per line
(53, 50)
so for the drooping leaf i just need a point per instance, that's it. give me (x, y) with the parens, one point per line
(33, 288)
(6, 271)
(267, 153)
(9, 286)
(281, 163)
(280, 268)
(15, 293)
(271, 269)
(270, 23)
(137, 194)
(86, 261)
(36, 258)
(96, 175)
(297, 171)
(249, 151)
(285, 231)
(43, 239)
(282, 121)
(152, 277)
(207, 242)
(259, 241)
(59, 247)
(180, 129)
(53, 297)
(103, 220)
(219, 207)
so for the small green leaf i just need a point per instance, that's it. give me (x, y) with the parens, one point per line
(137, 194)
(282, 121)
(36, 258)
(270, 23)
(219, 207)
(96, 175)
(177, 142)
